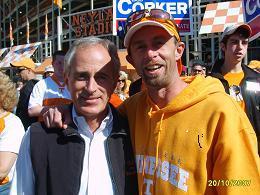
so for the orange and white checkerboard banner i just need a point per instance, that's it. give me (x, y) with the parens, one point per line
(18, 52)
(220, 15)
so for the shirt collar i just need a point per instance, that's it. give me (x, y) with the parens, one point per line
(83, 127)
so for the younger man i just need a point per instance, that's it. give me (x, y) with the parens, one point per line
(175, 155)
(240, 81)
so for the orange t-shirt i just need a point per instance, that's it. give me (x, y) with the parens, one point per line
(234, 81)
(115, 100)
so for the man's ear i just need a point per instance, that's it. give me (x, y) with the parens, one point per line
(66, 81)
(115, 83)
(129, 59)
(179, 50)
(222, 46)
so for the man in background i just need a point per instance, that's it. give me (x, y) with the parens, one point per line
(198, 68)
(51, 91)
(240, 81)
(26, 68)
(48, 72)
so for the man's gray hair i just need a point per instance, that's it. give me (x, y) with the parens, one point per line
(91, 41)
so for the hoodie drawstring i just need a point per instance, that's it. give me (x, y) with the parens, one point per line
(157, 151)
(146, 148)
(158, 139)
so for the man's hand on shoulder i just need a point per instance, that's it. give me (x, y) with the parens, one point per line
(57, 117)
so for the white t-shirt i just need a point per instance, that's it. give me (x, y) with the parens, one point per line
(47, 93)
(11, 137)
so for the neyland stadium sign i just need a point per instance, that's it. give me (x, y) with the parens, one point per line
(92, 23)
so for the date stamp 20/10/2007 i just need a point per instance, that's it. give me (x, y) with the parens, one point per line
(228, 182)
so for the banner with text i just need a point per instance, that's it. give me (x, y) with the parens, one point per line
(252, 16)
(96, 22)
(179, 9)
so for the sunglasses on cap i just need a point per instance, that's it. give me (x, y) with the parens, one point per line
(21, 69)
(156, 14)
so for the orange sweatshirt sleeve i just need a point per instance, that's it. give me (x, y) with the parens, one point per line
(235, 156)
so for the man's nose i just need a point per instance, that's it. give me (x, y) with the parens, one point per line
(91, 85)
(152, 53)
(240, 44)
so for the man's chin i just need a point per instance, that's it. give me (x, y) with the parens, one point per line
(89, 113)
(155, 82)
(89, 103)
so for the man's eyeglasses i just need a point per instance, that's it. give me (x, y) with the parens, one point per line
(156, 14)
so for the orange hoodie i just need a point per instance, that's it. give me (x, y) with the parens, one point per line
(200, 143)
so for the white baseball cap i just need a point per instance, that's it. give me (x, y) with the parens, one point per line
(49, 69)
(229, 30)
(167, 25)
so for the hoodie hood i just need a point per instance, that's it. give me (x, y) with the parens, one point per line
(198, 90)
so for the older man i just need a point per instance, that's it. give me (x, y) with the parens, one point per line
(94, 154)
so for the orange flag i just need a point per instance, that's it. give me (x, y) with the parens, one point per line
(46, 28)
(58, 3)
(11, 35)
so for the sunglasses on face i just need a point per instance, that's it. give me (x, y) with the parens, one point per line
(120, 80)
(155, 14)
